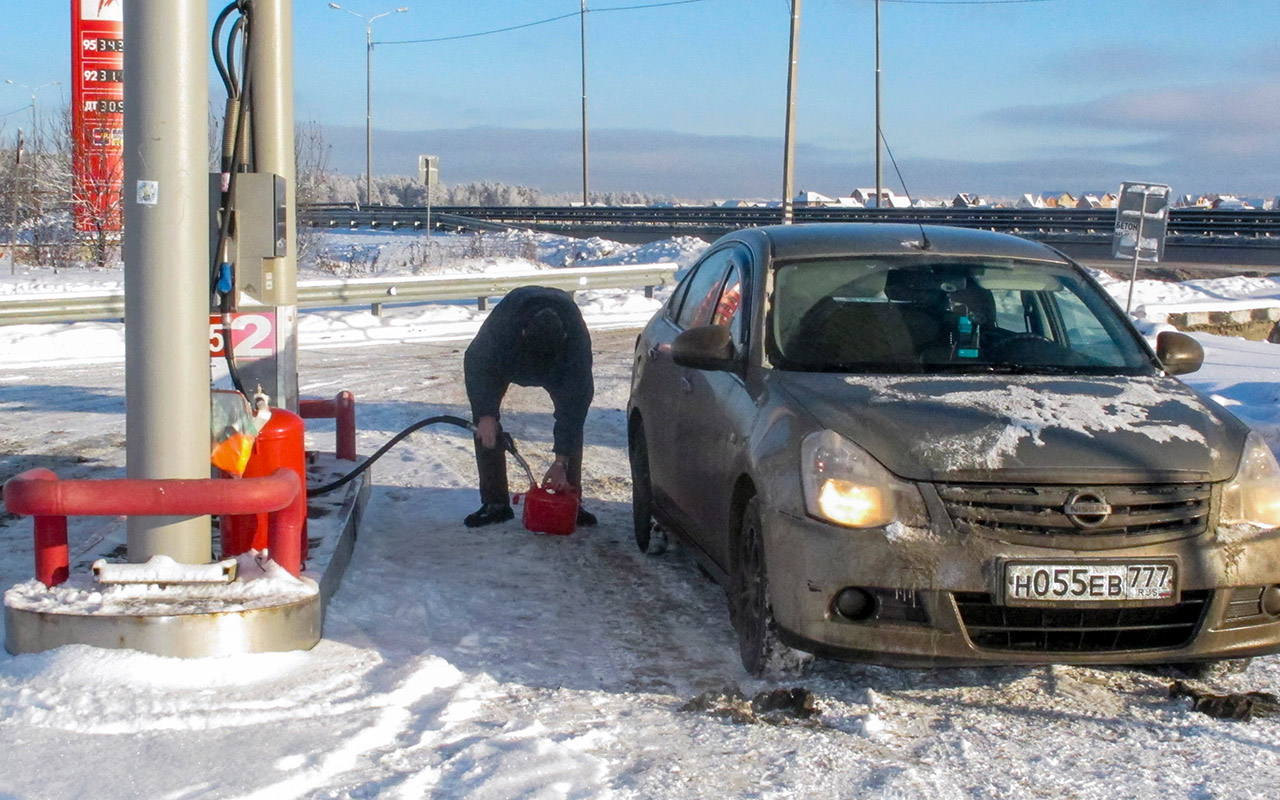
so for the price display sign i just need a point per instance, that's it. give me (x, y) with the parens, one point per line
(97, 112)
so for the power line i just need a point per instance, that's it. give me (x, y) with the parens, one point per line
(649, 5)
(538, 22)
(481, 33)
(968, 2)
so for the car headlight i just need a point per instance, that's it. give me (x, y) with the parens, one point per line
(1253, 495)
(845, 485)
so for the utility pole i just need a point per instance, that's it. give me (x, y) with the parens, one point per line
(13, 208)
(879, 170)
(788, 145)
(583, 21)
(35, 160)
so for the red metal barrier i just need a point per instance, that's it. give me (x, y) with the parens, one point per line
(343, 409)
(40, 494)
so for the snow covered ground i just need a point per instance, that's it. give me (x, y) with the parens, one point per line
(497, 664)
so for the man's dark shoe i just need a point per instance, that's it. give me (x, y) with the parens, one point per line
(585, 517)
(489, 514)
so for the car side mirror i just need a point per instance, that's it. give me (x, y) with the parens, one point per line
(705, 347)
(1179, 354)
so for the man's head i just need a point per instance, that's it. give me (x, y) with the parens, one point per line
(542, 336)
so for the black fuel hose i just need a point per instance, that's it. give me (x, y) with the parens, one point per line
(506, 441)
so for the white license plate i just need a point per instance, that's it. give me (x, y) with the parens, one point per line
(1089, 582)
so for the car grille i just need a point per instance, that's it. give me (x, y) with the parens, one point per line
(1080, 630)
(1179, 509)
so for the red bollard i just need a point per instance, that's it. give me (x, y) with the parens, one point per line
(346, 424)
(52, 554)
(341, 408)
(281, 443)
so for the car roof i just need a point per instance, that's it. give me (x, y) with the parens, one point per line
(826, 240)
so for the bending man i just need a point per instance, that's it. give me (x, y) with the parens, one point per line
(534, 336)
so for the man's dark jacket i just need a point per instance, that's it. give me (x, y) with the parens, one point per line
(495, 360)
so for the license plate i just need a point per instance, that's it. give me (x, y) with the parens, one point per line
(1031, 582)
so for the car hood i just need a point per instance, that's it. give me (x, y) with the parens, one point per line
(1044, 429)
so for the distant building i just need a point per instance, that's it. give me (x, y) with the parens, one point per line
(867, 198)
(1096, 200)
(813, 199)
(1028, 200)
(966, 200)
(1058, 199)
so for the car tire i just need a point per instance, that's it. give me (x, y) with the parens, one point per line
(763, 654)
(649, 538)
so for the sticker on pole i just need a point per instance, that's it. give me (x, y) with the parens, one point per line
(252, 335)
(1142, 217)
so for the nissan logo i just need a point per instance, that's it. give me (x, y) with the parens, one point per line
(1086, 509)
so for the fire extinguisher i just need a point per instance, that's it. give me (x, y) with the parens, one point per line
(280, 443)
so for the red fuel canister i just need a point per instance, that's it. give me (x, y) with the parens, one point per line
(548, 511)
(280, 443)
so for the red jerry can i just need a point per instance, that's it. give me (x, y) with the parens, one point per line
(280, 443)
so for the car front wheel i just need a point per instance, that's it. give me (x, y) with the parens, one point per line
(761, 651)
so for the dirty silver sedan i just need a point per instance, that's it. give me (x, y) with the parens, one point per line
(925, 445)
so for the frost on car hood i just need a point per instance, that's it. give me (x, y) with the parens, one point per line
(1042, 428)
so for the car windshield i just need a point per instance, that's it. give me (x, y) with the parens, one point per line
(930, 313)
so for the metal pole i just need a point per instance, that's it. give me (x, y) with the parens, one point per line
(35, 159)
(879, 168)
(1137, 248)
(271, 57)
(368, 92)
(13, 208)
(166, 264)
(788, 145)
(368, 112)
(583, 20)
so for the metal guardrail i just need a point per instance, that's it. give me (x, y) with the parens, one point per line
(52, 307)
(1242, 223)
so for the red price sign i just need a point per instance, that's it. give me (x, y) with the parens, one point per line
(252, 335)
(97, 109)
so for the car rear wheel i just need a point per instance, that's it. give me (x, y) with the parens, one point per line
(648, 538)
(759, 647)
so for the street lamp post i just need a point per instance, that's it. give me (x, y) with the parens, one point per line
(35, 164)
(368, 92)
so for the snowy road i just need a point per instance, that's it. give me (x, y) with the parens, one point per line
(497, 664)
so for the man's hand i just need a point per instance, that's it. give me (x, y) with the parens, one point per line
(557, 478)
(487, 432)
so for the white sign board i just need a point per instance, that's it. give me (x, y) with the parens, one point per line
(1142, 217)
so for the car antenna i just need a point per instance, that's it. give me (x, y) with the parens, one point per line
(924, 238)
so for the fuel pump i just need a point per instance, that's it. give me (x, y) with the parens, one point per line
(252, 278)
(253, 286)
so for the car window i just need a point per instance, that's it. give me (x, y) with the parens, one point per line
(703, 292)
(946, 314)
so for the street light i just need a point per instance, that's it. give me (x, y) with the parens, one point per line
(35, 115)
(368, 92)
(35, 168)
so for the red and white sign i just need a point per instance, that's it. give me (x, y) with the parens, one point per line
(252, 335)
(97, 112)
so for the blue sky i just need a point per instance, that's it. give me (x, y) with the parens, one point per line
(688, 99)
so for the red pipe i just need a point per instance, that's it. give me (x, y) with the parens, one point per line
(40, 494)
(36, 495)
(343, 409)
